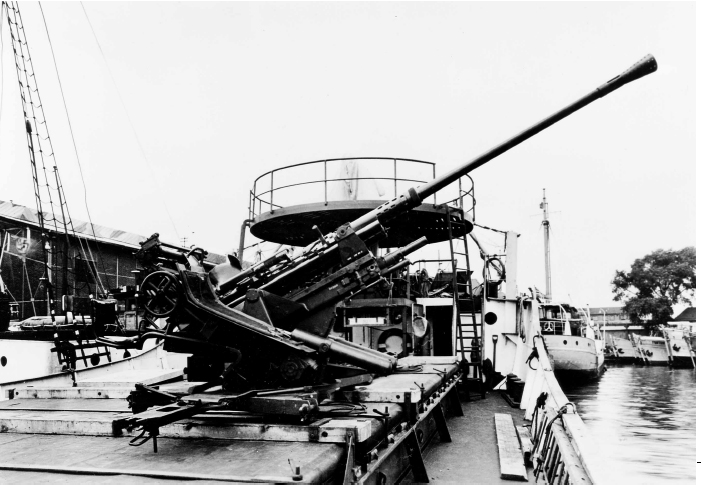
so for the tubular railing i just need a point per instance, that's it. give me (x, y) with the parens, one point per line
(563, 452)
(265, 195)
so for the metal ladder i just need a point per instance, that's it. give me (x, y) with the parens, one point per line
(466, 328)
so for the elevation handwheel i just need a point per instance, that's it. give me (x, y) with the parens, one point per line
(162, 293)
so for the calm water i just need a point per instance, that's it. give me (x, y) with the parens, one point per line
(644, 419)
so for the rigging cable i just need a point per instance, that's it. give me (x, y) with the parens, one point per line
(80, 169)
(26, 91)
(124, 107)
(17, 46)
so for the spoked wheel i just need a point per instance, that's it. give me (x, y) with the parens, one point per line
(162, 292)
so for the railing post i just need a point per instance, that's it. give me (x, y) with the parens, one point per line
(395, 177)
(460, 191)
(271, 191)
(474, 201)
(326, 198)
(434, 177)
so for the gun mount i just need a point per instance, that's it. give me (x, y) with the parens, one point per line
(269, 326)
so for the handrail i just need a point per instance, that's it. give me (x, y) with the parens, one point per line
(557, 406)
(325, 160)
(266, 197)
(340, 180)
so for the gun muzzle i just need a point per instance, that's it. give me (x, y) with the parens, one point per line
(413, 197)
(391, 258)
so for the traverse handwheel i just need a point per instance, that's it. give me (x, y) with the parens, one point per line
(162, 293)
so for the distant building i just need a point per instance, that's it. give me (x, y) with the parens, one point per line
(614, 321)
(688, 315)
(96, 259)
(613, 315)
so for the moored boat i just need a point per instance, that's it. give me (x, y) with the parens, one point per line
(574, 344)
(651, 350)
(681, 345)
(622, 349)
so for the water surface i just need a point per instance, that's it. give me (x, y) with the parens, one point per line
(644, 419)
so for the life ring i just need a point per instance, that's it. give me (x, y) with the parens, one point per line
(498, 266)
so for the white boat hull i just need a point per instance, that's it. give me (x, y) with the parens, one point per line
(653, 350)
(576, 357)
(680, 349)
(27, 359)
(624, 349)
(150, 358)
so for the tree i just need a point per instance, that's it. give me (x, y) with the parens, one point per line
(654, 283)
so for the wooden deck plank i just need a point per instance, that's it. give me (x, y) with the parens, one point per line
(524, 437)
(131, 377)
(510, 458)
(91, 405)
(51, 393)
(218, 426)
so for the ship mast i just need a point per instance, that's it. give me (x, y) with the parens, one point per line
(546, 237)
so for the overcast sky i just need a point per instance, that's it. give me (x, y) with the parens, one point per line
(218, 93)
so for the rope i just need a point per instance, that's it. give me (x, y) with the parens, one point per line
(488, 228)
(29, 89)
(24, 267)
(80, 167)
(138, 141)
(28, 105)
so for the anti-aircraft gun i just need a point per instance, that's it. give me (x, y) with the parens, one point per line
(265, 330)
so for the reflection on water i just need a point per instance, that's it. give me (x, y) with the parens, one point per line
(644, 419)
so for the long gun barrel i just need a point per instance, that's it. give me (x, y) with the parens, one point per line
(279, 313)
(413, 197)
(369, 227)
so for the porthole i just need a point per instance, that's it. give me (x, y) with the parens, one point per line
(576, 342)
(490, 318)
(564, 342)
(3, 361)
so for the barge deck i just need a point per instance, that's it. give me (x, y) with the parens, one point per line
(51, 434)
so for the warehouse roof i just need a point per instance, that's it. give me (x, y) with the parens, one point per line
(19, 213)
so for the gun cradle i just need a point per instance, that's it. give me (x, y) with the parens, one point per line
(264, 339)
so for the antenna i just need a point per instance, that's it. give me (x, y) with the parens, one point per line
(546, 237)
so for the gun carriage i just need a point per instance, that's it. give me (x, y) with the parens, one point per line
(265, 332)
